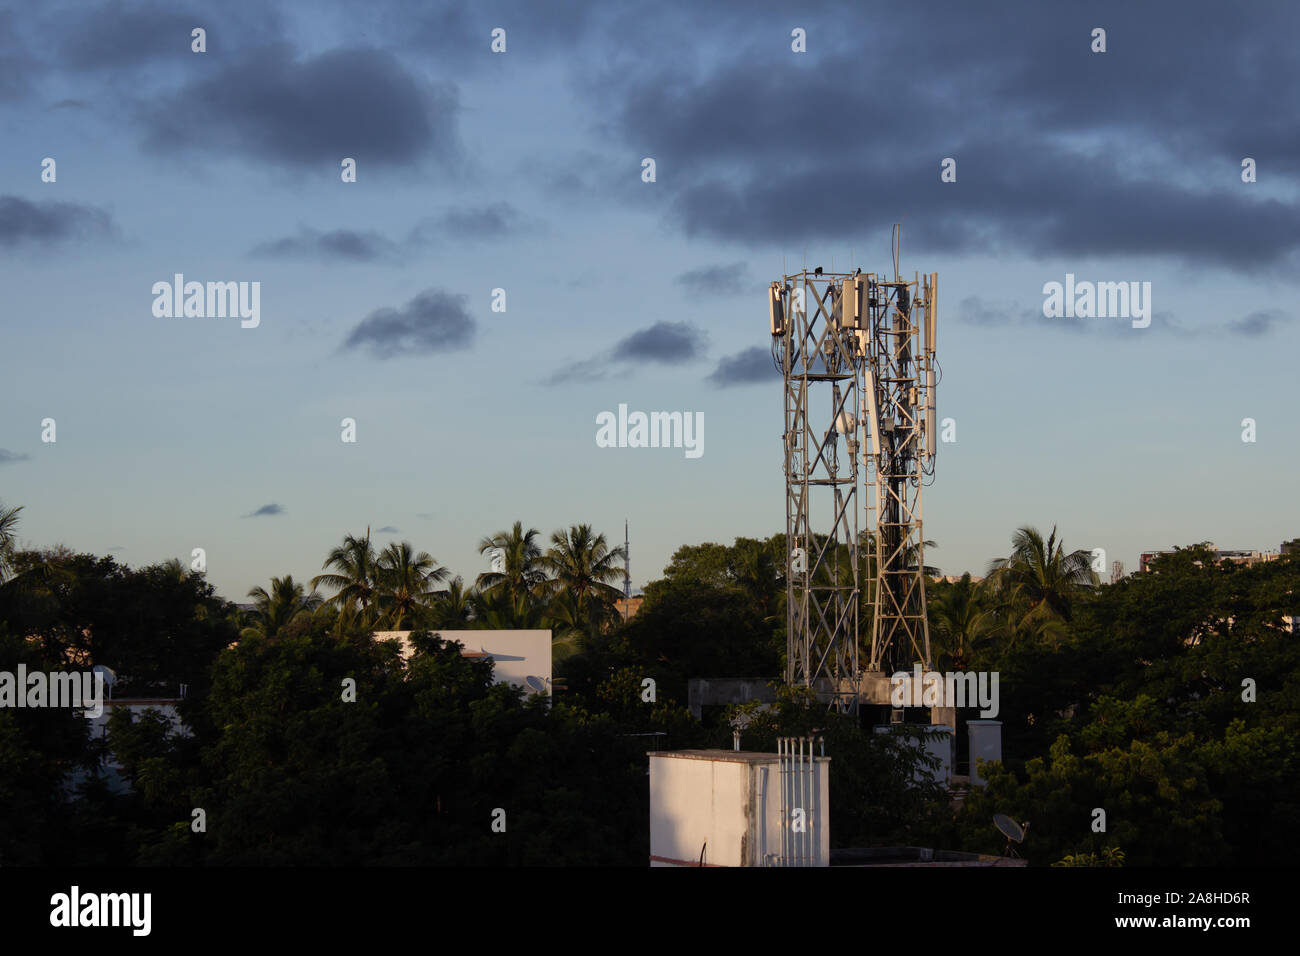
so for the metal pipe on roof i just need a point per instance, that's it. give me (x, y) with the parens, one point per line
(806, 748)
(780, 777)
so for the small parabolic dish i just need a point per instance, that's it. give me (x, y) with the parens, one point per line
(1010, 828)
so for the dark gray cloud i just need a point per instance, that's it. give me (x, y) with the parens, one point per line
(494, 221)
(730, 279)
(1258, 323)
(339, 244)
(434, 321)
(461, 34)
(750, 367)
(122, 34)
(8, 457)
(664, 343)
(17, 66)
(1059, 151)
(70, 105)
(456, 224)
(358, 103)
(975, 310)
(14, 78)
(979, 311)
(49, 222)
(125, 34)
(386, 529)
(265, 510)
(583, 371)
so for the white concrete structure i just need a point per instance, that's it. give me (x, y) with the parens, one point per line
(724, 808)
(985, 744)
(516, 655)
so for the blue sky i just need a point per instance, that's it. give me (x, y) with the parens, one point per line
(522, 171)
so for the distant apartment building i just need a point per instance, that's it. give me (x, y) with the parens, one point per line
(1248, 558)
(628, 607)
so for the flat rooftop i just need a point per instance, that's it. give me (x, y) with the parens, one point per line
(917, 856)
(732, 756)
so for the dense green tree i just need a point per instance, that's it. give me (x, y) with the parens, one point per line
(1168, 699)
(39, 749)
(686, 630)
(1155, 794)
(154, 629)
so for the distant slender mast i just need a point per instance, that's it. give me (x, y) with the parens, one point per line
(627, 570)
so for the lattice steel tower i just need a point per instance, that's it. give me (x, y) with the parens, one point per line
(821, 366)
(899, 420)
(858, 376)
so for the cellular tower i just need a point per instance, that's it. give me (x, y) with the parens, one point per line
(857, 356)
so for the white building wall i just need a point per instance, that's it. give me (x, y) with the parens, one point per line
(693, 806)
(726, 807)
(985, 744)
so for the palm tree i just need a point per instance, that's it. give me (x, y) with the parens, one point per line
(355, 576)
(519, 553)
(453, 608)
(8, 525)
(959, 620)
(406, 580)
(497, 610)
(1039, 578)
(274, 609)
(582, 565)
(914, 551)
(42, 570)
(570, 634)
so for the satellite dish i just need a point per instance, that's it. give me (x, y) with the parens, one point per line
(1013, 831)
(536, 684)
